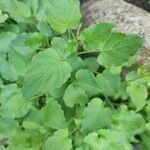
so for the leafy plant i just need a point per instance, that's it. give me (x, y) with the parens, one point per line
(62, 87)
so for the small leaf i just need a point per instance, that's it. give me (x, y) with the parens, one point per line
(74, 95)
(5, 39)
(109, 83)
(87, 81)
(3, 17)
(75, 62)
(95, 36)
(138, 93)
(48, 71)
(60, 140)
(96, 116)
(91, 64)
(52, 115)
(18, 63)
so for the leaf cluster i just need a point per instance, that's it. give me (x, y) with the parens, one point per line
(62, 86)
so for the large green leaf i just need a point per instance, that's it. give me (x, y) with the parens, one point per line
(74, 95)
(87, 80)
(128, 121)
(60, 140)
(48, 71)
(138, 93)
(15, 106)
(25, 140)
(50, 116)
(8, 127)
(116, 48)
(63, 14)
(108, 140)
(96, 116)
(119, 49)
(16, 9)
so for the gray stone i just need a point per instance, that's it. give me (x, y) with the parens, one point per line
(128, 18)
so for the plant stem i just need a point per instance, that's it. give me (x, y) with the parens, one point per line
(73, 131)
(106, 98)
(87, 52)
(140, 77)
(73, 35)
(78, 31)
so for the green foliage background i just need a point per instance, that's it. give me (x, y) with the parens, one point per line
(62, 87)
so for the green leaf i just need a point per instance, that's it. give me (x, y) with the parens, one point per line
(36, 40)
(128, 121)
(16, 9)
(58, 43)
(109, 83)
(147, 109)
(8, 127)
(95, 36)
(74, 95)
(17, 62)
(3, 17)
(91, 64)
(44, 28)
(63, 14)
(75, 62)
(48, 71)
(138, 93)
(7, 90)
(60, 140)
(116, 48)
(18, 44)
(145, 141)
(52, 115)
(119, 49)
(5, 40)
(59, 92)
(87, 81)
(24, 140)
(63, 45)
(96, 116)
(108, 140)
(15, 106)
(6, 70)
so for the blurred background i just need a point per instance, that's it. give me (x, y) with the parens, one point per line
(145, 4)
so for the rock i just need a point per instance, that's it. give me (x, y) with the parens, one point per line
(128, 18)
